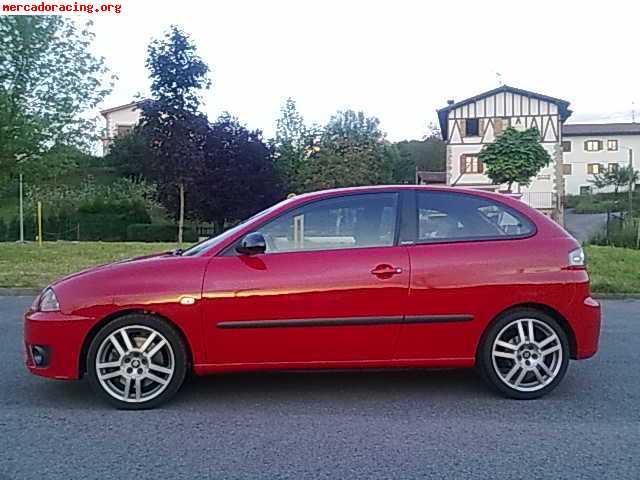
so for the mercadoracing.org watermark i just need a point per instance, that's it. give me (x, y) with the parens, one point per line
(53, 7)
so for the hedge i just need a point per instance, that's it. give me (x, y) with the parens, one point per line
(158, 232)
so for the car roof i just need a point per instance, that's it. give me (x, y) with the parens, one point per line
(514, 201)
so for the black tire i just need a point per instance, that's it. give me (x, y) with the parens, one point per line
(485, 358)
(180, 360)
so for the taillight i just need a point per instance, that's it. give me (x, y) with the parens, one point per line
(577, 258)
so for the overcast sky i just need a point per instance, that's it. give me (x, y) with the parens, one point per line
(398, 60)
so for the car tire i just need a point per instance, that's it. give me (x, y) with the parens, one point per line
(516, 365)
(137, 362)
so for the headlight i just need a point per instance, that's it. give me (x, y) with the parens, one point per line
(49, 301)
(577, 258)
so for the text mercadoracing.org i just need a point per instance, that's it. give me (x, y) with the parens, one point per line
(43, 7)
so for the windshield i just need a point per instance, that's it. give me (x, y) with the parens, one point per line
(212, 241)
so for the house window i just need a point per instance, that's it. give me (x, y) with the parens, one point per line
(593, 145)
(470, 163)
(566, 146)
(472, 127)
(122, 130)
(613, 167)
(566, 168)
(585, 190)
(594, 168)
(612, 145)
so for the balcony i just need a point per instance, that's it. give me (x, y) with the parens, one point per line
(540, 200)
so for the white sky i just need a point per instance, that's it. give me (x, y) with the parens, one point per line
(398, 60)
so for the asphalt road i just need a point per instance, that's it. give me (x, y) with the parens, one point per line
(369, 425)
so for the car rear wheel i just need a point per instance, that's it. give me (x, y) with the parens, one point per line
(136, 362)
(524, 354)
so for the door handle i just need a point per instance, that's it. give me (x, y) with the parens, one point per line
(386, 270)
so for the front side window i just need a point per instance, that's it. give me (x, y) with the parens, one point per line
(447, 216)
(566, 146)
(612, 145)
(352, 221)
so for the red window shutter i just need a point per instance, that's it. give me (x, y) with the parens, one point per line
(480, 166)
(463, 164)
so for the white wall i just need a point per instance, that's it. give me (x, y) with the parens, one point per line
(126, 116)
(578, 158)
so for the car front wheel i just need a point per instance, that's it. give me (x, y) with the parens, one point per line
(136, 362)
(524, 354)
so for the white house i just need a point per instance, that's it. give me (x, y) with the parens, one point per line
(469, 124)
(119, 121)
(593, 148)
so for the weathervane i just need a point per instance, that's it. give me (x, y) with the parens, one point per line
(499, 77)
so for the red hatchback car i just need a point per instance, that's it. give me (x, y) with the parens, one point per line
(352, 278)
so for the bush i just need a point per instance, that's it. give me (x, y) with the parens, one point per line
(3, 231)
(155, 232)
(589, 204)
(620, 234)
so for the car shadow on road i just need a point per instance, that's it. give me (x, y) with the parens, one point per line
(303, 389)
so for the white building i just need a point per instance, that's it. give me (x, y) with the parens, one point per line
(469, 124)
(119, 121)
(593, 148)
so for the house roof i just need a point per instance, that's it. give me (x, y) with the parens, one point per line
(585, 129)
(121, 107)
(443, 113)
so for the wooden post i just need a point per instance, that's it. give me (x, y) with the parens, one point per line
(181, 220)
(40, 223)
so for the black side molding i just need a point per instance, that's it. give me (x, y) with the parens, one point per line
(348, 321)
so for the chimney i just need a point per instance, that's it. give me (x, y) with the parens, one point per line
(450, 102)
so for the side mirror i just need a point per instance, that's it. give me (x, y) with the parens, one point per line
(252, 244)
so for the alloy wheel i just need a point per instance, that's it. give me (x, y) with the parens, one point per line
(527, 354)
(135, 364)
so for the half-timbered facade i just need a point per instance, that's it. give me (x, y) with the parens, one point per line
(470, 124)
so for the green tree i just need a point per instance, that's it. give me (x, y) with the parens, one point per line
(350, 152)
(292, 139)
(514, 157)
(623, 177)
(131, 155)
(171, 123)
(48, 79)
(603, 179)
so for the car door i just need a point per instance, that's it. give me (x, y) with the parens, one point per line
(466, 260)
(331, 287)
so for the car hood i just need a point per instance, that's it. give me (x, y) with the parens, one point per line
(107, 266)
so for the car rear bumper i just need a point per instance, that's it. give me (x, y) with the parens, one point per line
(53, 343)
(586, 327)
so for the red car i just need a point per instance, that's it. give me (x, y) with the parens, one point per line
(352, 278)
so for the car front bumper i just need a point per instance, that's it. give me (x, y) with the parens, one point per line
(58, 339)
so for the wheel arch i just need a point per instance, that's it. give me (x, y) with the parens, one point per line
(552, 312)
(82, 361)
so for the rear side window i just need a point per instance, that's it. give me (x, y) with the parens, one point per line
(449, 216)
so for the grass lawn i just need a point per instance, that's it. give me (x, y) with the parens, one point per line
(32, 266)
(612, 270)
